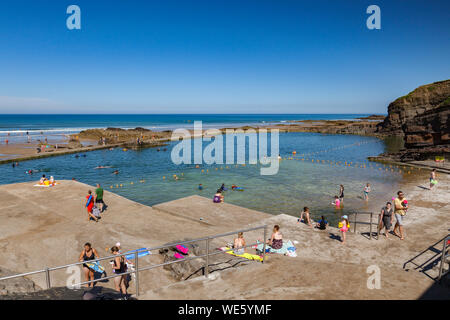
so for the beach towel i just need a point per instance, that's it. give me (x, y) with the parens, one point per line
(142, 253)
(178, 255)
(96, 266)
(45, 186)
(245, 255)
(287, 246)
(182, 249)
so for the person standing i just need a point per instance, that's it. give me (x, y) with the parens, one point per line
(400, 208)
(120, 267)
(99, 197)
(341, 193)
(367, 191)
(344, 226)
(433, 180)
(386, 219)
(88, 254)
(89, 205)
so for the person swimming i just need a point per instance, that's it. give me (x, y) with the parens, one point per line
(116, 172)
(200, 187)
(103, 167)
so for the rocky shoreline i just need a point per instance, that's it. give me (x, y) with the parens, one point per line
(421, 118)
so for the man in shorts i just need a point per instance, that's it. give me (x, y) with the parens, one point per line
(99, 198)
(400, 208)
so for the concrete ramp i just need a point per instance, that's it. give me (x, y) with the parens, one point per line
(201, 209)
(43, 227)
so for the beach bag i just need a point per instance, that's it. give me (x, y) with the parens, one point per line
(96, 211)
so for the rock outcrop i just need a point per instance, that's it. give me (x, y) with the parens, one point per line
(15, 285)
(422, 119)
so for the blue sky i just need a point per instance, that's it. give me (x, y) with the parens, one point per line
(218, 56)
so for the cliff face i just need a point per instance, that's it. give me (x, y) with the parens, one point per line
(422, 118)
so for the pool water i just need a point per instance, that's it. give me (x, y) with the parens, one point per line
(310, 178)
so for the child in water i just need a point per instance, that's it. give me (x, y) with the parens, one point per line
(344, 226)
(218, 197)
(336, 202)
(366, 191)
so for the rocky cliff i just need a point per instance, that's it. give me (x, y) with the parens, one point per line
(422, 118)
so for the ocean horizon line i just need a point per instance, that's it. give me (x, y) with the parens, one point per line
(259, 114)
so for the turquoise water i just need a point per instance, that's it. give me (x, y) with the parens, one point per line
(298, 183)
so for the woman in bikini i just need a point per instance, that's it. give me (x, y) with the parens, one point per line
(88, 254)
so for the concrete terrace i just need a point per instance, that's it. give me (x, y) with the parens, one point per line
(48, 227)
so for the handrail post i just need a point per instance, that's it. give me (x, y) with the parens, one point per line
(371, 225)
(444, 251)
(136, 272)
(47, 277)
(207, 258)
(354, 228)
(264, 246)
(378, 226)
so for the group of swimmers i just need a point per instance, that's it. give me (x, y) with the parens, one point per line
(218, 196)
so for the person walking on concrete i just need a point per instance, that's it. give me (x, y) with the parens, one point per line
(88, 254)
(119, 267)
(386, 219)
(400, 208)
(99, 198)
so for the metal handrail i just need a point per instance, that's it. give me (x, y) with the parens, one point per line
(443, 258)
(364, 222)
(136, 258)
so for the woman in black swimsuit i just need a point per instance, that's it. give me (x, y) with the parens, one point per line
(341, 193)
(119, 267)
(88, 254)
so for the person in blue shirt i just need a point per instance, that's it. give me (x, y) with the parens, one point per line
(322, 223)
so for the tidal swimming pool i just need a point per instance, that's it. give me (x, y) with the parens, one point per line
(310, 178)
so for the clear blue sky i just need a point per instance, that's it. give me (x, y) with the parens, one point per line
(218, 56)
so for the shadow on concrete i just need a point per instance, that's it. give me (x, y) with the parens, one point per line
(438, 290)
(63, 293)
(427, 261)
